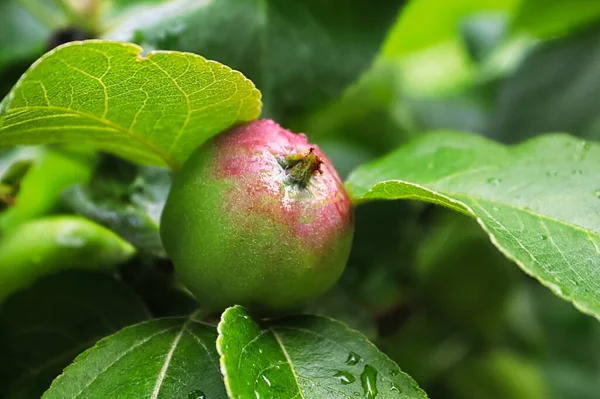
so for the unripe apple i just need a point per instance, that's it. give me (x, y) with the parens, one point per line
(258, 217)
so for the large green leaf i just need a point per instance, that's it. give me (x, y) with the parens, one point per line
(171, 358)
(554, 90)
(305, 357)
(538, 201)
(153, 109)
(43, 328)
(298, 52)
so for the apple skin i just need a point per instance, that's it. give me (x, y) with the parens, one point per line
(257, 217)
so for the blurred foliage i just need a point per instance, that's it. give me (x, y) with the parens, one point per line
(25, 26)
(42, 329)
(127, 199)
(428, 286)
(428, 22)
(328, 53)
(528, 105)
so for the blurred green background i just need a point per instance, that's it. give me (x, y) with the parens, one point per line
(425, 284)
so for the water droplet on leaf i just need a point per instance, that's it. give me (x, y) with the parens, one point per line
(345, 377)
(353, 358)
(265, 379)
(196, 394)
(394, 388)
(368, 378)
(68, 237)
(557, 290)
(544, 237)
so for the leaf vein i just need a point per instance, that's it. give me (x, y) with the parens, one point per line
(289, 360)
(165, 366)
(122, 355)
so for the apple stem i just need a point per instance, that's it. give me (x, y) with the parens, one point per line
(301, 167)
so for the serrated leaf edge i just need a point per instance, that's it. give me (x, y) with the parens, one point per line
(138, 51)
(490, 234)
(271, 329)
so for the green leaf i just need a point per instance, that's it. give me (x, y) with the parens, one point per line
(410, 33)
(53, 170)
(298, 52)
(553, 90)
(48, 245)
(538, 201)
(12, 171)
(550, 18)
(162, 358)
(305, 357)
(153, 109)
(43, 328)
